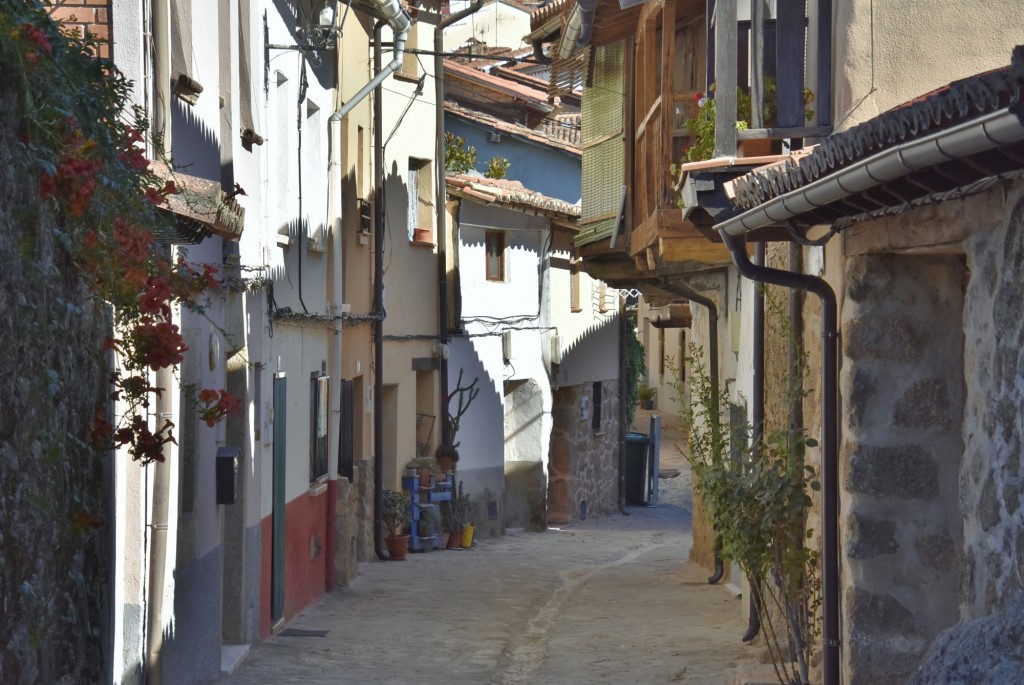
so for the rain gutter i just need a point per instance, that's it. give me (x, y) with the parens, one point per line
(757, 432)
(579, 28)
(392, 14)
(986, 132)
(829, 436)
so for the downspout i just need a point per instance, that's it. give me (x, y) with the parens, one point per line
(158, 534)
(757, 433)
(164, 405)
(336, 290)
(440, 202)
(623, 380)
(829, 437)
(579, 28)
(692, 295)
(378, 301)
(398, 20)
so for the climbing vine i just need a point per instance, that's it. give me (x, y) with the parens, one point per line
(757, 498)
(84, 151)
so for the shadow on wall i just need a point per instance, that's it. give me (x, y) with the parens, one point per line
(195, 146)
(396, 211)
(481, 466)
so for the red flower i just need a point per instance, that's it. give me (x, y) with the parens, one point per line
(36, 36)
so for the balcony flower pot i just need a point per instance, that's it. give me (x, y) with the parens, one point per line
(421, 235)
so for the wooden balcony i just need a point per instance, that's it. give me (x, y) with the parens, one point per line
(669, 60)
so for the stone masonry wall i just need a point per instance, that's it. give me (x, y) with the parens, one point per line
(54, 490)
(992, 478)
(902, 388)
(583, 465)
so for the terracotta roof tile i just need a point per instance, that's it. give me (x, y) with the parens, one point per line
(561, 131)
(510, 194)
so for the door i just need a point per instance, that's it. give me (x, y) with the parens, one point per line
(277, 561)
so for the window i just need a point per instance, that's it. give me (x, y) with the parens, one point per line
(420, 204)
(495, 242)
(595, 424)
(319, 408)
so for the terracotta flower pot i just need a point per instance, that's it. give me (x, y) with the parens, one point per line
(455, 540)
(398, 547)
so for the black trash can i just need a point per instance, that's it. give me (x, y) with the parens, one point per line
(636, 468)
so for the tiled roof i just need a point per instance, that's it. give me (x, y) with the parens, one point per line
(505, 86)
(545, 12)
(511, 194)
(566, 128)
(959, 102)
(561, 132)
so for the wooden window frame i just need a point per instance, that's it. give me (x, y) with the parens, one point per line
(494, 242)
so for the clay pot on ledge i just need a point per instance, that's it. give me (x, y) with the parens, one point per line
(422, 235)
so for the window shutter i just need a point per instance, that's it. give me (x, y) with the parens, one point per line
(603, 144)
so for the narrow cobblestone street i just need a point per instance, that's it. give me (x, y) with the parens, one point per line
(608, 600)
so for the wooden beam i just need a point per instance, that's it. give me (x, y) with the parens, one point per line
(650, 113)
(692, 249)
(726, 44)
(789, 62)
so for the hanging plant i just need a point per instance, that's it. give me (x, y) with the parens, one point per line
(82, 146)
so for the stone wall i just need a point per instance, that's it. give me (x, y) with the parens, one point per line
(992, 477)
(583, 467)
(933, 439)
(54, 490)
(902, 388)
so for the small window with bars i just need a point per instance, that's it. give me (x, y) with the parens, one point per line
(318, 391)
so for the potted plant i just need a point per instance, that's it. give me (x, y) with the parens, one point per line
(702, 126)
(462, 506)
(396, 513)
(646, 395)
(426, 528)
(425, 467)
(446, 456)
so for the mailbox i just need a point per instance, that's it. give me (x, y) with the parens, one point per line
(227, 470)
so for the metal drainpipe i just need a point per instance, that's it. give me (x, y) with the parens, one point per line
(692, 295)
(829, 437)
(757, 419)
(153, 668)
(623, 428)
(378, 305)
(440, 201)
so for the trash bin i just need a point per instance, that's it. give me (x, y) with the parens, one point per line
(636, 468)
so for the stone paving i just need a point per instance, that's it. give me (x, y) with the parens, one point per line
(607, 600)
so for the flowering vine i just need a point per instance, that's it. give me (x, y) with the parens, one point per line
(90, 168)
